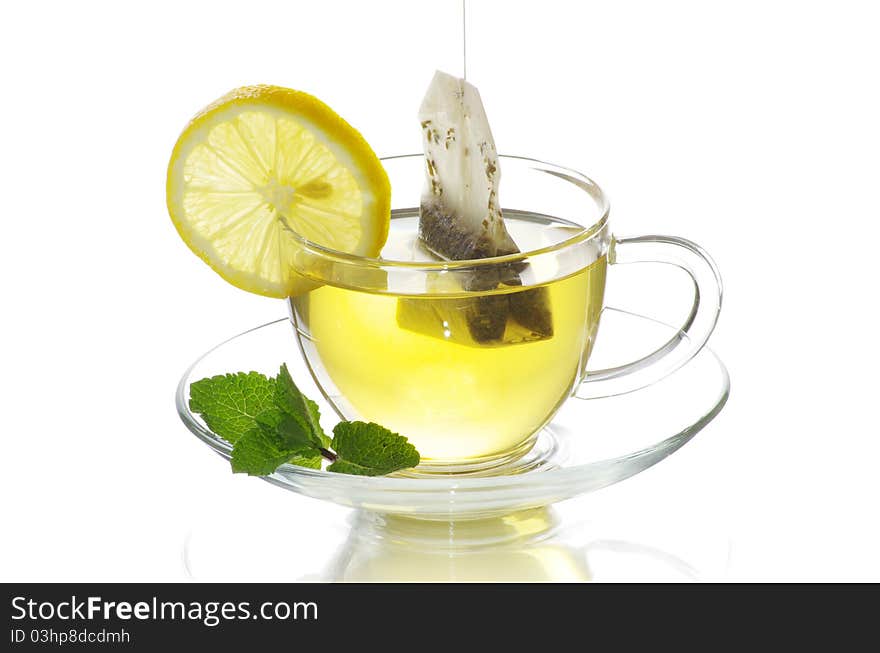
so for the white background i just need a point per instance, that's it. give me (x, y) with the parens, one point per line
(749, 127)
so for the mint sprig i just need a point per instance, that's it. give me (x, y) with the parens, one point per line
(269, 422)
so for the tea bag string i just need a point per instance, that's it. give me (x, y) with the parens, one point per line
(464, 39)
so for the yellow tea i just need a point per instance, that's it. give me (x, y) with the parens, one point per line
(426, 367)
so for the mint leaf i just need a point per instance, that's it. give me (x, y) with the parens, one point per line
(257, 452)
(229, 403)
(291, 401)
(312, 461)
(289, 432)
(367, 449)
(294, 435)
(270, 443)
(315, 415)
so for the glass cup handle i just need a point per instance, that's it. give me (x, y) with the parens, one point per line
(696, 330)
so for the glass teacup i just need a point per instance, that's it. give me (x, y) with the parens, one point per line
(471, 359)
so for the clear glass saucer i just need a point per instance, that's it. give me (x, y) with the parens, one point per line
(590, 444)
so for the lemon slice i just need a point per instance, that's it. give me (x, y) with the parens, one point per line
(264, 158)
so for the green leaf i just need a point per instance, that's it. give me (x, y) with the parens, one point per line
(229, 403)
(291, 401)
(315, 416)
(257, 452)
(289, 432)
(270, 418)
(312, 461)
(261, 450)
(295, 435)
(367, 449)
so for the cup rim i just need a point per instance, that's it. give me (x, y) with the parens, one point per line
(568, 174)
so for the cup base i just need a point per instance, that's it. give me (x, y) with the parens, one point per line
(531, 454)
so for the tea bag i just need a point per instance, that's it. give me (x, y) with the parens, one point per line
(460, 218)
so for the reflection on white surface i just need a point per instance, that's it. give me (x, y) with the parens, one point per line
(280, 537)
(518, 547)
